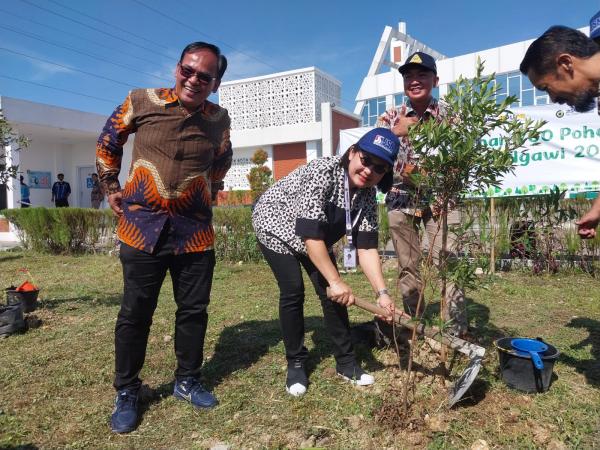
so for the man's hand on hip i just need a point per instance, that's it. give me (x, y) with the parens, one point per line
(114, 200)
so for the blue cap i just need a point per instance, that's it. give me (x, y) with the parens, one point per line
(595, 26)
(382, 143)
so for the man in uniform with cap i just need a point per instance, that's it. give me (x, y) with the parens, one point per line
(566, 64)
(407, 209)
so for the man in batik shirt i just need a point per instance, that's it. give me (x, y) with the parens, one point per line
(408, 209)
(181, 154)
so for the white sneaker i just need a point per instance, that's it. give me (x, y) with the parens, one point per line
(356, 375)
(296, 389)
(296, 381)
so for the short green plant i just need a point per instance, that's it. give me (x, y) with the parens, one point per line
(260, 175)
(550, 218)
(234, 236)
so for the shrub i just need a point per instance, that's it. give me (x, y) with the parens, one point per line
(62, 230)
(234, 198)
(260, 175)
(234, 236)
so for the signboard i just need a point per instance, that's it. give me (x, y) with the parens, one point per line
(39, 179)
(567, 155)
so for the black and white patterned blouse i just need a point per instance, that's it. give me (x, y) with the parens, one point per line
(309, 203)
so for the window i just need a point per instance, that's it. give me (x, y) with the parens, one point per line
(373, 108)
(517, 84)
(402, 99)
(399, 100)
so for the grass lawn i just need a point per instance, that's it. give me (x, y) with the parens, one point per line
(56, 392)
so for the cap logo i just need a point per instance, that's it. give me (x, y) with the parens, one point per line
(384, 143)
(416, 59)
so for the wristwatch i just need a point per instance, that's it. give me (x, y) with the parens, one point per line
(380, 292)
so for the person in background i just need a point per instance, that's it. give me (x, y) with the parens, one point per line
(97, 194)
(565, 63)
(61, 191)
(408, 209)
(25, 201)
(181, 154)
(297, 221)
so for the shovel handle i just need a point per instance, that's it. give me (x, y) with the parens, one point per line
(453, 342)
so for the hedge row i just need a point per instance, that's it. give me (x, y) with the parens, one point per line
(62, 230)
(234, 236)
(78, 230)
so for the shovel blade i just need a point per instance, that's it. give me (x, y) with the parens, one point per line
(465, 381)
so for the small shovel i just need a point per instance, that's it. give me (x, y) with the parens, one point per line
(474, 352)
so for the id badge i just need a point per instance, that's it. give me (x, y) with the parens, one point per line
(349, 256)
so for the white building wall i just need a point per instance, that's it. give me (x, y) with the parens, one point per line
(241, 165)
(313, 150)
(278, 99)
(327, 90)
(44, 156)
(61, 140)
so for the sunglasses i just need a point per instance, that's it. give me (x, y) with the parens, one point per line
(366, 161)
(202, 77)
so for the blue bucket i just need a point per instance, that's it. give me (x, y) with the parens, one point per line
(519, 371)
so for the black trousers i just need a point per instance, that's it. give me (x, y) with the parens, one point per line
(61, 203)
(143, 275)
(288, 274)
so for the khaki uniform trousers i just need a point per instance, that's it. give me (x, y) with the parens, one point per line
(404, 229)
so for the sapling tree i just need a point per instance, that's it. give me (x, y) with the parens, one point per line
(260, 175)
(453, 159)
(453, 156)
(16, 142)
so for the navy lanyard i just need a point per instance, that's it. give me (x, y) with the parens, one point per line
(349, 224)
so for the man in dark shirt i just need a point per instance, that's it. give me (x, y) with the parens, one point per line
(181, 154)
(61, 191)
(566, 64)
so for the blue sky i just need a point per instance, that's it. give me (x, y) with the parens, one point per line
(102, 49)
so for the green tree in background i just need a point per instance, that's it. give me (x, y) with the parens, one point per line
(260, 176)
(8, 137)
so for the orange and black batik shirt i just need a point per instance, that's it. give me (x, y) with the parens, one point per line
(179, 162)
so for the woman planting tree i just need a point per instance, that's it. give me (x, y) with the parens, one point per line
(298, 220)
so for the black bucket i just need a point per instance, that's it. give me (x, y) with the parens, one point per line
(11, 319)
(27, 299)
(519, 372)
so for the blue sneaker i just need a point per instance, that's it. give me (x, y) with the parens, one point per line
(191, 390)
(125, 414)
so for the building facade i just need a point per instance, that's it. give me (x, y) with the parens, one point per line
(291, 115)
(382, 87)
(61, 141)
